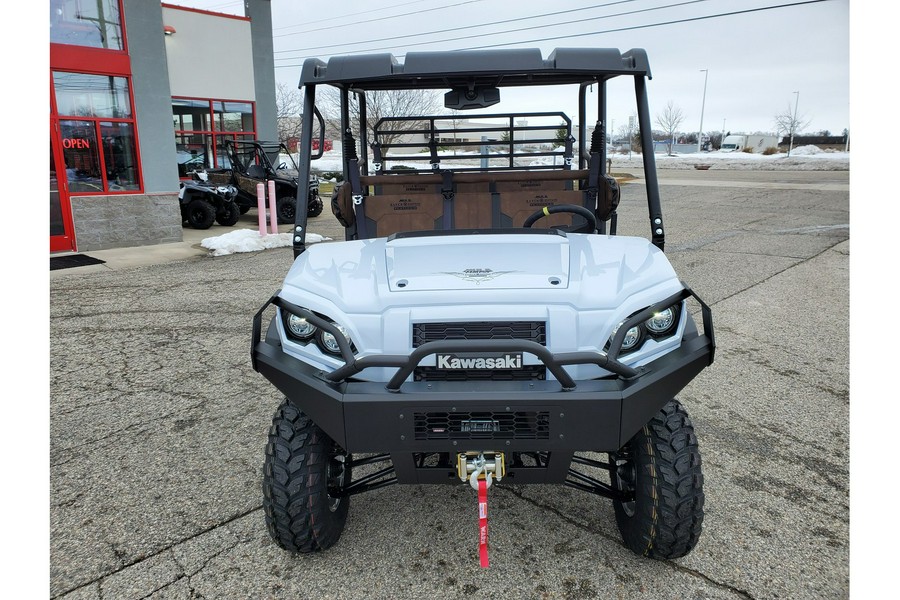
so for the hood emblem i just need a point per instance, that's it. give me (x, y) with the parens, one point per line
(477, 275)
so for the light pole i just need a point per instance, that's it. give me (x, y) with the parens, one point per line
(722, 141)
(793, 123)
(702, 108)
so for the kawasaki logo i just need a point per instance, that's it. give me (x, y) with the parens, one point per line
(511, 360)
(477, 275)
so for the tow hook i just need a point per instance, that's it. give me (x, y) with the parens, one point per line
(473, 466)
(480, 469)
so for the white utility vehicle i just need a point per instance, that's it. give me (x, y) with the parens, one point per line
(482, 322)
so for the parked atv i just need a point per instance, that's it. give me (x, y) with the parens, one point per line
(203, 202)
(254, 162)
(483, 321)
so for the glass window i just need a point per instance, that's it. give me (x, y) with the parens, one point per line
(233, 116)
(82, 95)
(81, 155)
(193, 153)
(202, 127)
(222, 160)
(191, 115)
(93, 23)
(119, 156)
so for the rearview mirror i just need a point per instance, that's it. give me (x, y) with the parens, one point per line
(465, 98)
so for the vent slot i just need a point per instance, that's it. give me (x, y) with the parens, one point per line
(535, 331)
(526, 373)
(482, 425)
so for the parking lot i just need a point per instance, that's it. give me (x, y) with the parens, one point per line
(158, 426)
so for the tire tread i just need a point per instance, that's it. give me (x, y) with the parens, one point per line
(669, 506)
(295, 501)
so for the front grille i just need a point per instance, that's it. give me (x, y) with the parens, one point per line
(526, 373)
(482, 425)
(535, 331)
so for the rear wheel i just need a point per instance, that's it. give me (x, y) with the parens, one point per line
(315, 207)
(661, 467)
(200, 214)
(303, 471)
(229, 214)
(286, 209)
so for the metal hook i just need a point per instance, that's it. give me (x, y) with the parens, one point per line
(473, 479)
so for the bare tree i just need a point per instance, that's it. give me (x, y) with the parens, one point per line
(785, 122)
(631, 131)
(382, 103)
(288, 107)
(669, 120)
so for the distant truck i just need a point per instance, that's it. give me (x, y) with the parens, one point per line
(744, 143)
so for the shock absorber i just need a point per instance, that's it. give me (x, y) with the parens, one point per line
(598, 138)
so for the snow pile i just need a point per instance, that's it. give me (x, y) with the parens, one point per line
(802, 158)
(806, 150)
(249, 240)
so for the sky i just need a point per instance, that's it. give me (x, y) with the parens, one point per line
(733, 71)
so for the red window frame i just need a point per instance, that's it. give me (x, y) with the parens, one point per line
(66, 58)
(56, 118)
(213, 132)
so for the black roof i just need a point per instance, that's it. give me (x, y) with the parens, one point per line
(514, 67)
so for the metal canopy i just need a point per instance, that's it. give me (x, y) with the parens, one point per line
(516, 67)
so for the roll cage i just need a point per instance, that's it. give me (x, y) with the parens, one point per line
(479, 76)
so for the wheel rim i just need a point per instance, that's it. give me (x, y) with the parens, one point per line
(336, 477)
(624, 477)
(287, 211)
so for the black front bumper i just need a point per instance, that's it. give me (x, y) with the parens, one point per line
(508, 416)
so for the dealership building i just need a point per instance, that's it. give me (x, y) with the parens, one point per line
(140, 94)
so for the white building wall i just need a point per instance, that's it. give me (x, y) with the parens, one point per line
(209, 56)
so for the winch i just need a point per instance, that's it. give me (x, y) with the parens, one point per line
(473, 466)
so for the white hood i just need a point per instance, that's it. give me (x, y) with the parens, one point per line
(587, 271)
(478, 262)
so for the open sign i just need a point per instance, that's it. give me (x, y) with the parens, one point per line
(76, 143)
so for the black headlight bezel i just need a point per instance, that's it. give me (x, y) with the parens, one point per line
(322, 323)
(645, 332)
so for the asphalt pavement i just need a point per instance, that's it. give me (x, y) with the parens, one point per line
(158, 426)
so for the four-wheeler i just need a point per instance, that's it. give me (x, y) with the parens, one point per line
(483, 320)
(254, 162)
(203, 202)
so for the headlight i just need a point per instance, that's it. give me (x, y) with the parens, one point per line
(662, 322)
(632, 337)
(301, 330)
(329, 343)
(300, 327)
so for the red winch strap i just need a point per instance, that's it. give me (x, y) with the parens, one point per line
(482, 523)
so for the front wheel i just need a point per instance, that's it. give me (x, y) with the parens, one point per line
(200, 214)
(660, 466)
(286, 209)
(229, 214)
(303, 472)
